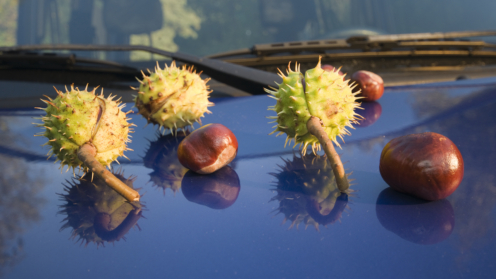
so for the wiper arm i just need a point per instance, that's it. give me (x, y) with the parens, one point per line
(240, 77)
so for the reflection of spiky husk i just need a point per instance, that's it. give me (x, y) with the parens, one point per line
(310, 175)
(78, 117)
(96, 212)
(162, 158)
(318, 93)
(293, 206)
(307, 185)
(173, 97)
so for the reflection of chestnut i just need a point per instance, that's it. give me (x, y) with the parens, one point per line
(208, 148)
(217, 190)
(370, 84)
(427, 165)
(413, 219)
(371, 112)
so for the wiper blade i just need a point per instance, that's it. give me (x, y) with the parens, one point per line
(422, 36)
(240, 77)
(360, 46)
(453, 40)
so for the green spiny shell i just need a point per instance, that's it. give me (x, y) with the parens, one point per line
(78, 117)
(173, 97)
(320, 93)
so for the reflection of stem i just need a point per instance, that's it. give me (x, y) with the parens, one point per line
(314, 126)
(86, 154)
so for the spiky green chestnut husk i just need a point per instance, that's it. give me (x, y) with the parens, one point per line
(319, 93)
(173, 97)
(87, 199)
(77, 117)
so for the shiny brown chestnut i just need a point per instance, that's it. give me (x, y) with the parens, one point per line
(427, 165)
(370, 84)
(208, 148)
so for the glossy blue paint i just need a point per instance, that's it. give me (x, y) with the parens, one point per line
(373, 233)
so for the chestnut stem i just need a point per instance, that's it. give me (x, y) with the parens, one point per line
(314, 126)
(86, 154)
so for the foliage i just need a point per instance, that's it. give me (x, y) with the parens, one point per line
(226, 25)
(179, 19)
(8, 22)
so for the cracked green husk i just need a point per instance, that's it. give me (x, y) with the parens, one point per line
(77, 117)
(173, 97)
(319, 93)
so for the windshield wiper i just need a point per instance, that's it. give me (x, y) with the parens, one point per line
(253, 80)
(378, 46)
(53, 61)
(243, 78)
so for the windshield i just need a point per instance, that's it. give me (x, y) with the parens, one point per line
(201, 27)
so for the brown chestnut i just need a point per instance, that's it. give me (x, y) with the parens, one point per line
(208, 148)
(370, 84)
(427, 165)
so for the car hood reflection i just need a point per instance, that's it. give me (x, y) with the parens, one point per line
(218, 190)
(371, 112)
(413, 219)
(95, 212)
(162, 158)
(307, 192)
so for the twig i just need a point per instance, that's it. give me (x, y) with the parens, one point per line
(314, 126)
(86, 154)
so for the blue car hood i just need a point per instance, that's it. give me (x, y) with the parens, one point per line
(258, 220)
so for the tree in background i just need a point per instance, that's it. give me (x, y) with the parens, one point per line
(178, 20)
(225, 25)
(8, 22)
